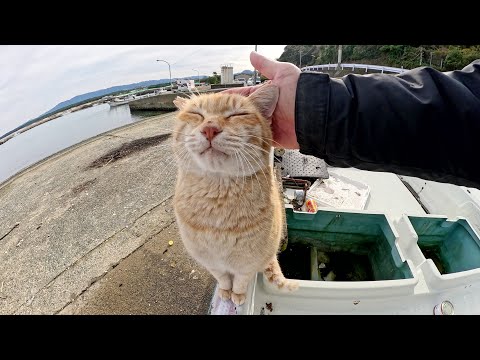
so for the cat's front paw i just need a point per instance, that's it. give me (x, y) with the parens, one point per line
(282, 282)
(224, 294)
(286, 284)
(276, 278)
(238, 299)
(291, 285)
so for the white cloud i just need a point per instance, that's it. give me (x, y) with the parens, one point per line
(33, 79)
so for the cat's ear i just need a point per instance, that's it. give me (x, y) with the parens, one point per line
(265, 99)
(180, 102)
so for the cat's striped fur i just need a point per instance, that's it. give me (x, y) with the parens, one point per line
(227, 202)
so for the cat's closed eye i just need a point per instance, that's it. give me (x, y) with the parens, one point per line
(237, 114)
(196, 113)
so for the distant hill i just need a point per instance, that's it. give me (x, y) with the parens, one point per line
(90, 96)
(103, 92)
(246, 72)
(93, 95)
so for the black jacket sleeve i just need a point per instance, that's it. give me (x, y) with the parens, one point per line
(421, 123)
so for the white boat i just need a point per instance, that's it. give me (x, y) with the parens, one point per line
(117, 102)
(421, 239)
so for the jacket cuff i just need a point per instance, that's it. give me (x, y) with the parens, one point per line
(311, 110)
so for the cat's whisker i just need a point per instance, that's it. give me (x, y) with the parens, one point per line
(246, 177)
(242, 194)
(173, 149)
(243, 150)
(242, 153)
(243, 139)
(179, 161)
(257, 147)
(181, 156)
(168, 156)
(189, 141)
(258, 163)
(238, 172)
(189, 161)
(166, 170)
(243, 172)
(176, 156)
(253, 170)
(261, 149)
(266, 140)
(238, 166)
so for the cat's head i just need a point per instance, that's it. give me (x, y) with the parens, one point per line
(225, 134)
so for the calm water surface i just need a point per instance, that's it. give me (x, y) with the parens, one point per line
(44, 140)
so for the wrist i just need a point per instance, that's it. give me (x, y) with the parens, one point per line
(311, 110)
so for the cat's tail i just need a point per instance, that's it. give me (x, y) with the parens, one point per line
(274, 274)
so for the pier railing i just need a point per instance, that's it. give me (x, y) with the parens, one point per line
(353, 67)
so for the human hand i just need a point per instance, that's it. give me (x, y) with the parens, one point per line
(285, 76)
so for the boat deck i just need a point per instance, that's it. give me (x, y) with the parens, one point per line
(388, 196)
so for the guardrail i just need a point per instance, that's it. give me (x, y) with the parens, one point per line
(366, 67)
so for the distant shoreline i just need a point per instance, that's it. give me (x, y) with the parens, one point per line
(49, 118)
(84, 106)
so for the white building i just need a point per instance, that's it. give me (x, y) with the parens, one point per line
(226, 76)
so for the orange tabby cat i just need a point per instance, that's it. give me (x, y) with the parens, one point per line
(227, 203)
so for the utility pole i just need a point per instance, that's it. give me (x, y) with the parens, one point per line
(170, 72)
(255, 72)
(300, 59)
(339, 61)
(198, 77)
(431, 54)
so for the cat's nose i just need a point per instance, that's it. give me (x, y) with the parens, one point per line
(210, 132)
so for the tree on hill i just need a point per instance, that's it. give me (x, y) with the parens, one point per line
(441, 57)
(215, 79)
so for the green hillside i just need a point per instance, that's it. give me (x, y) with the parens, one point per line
(441, 57)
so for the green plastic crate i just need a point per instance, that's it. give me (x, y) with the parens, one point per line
(358, 233)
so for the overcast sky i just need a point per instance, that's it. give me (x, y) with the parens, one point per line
(33, 79)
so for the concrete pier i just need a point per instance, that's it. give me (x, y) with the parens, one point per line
(164, 102)
(87, 231)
